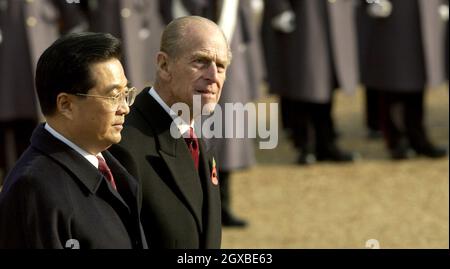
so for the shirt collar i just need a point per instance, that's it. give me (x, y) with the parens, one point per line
(182, 126)
(90, 157)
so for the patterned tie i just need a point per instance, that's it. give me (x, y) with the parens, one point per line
(106, 172)
(192, 143)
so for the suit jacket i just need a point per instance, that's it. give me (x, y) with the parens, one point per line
(180, 205)
(54, 194)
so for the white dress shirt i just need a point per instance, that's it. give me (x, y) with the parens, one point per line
(183, 127)
(90, 157)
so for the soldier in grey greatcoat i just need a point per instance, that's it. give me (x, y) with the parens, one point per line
(139, 25)
(371, 98)
(26, 29)
(310, 49)
(402, 54)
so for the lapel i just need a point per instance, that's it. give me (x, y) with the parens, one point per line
(126, 184)
(212, 209)
(129, 190)
(76, 164)
(175, 154)
(205, 166)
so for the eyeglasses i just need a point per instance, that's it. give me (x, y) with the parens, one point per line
(128, 96)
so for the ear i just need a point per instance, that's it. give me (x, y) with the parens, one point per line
(162, 62)
(65, 105)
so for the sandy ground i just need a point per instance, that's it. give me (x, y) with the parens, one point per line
(402, 204)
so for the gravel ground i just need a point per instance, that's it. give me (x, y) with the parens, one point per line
(402, 204)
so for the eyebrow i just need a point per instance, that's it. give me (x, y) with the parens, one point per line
(203, 55)
(115, 86)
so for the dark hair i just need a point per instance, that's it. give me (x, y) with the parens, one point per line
(65, 65)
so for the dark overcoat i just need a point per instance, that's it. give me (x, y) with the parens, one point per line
(180, 204)
(54, 194)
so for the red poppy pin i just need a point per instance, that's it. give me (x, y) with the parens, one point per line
(214, 178)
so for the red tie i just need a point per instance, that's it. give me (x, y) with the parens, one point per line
(106, 172)
(192, 143)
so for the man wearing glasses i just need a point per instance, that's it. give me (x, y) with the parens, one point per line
(67, 190)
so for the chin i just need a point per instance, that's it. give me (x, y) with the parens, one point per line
(115, 139)
(208, 108)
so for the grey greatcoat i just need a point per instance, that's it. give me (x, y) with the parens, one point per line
(404, 51)
(244, 75)
(27, 29)
(300, 63)
(138, 24)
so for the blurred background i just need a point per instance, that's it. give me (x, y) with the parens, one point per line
(362, 88)
(402, 204)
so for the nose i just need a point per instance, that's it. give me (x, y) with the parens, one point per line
(123, 107)
(212, 73)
